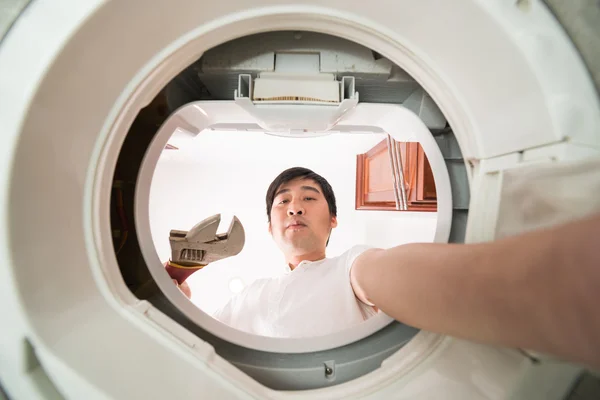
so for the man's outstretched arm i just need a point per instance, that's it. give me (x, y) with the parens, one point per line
(538, 291)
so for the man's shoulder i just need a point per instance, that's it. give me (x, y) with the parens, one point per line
(355, 251)
(350, 255)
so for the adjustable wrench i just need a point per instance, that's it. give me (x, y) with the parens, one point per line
(194, 249)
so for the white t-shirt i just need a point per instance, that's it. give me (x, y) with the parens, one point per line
(314, 299)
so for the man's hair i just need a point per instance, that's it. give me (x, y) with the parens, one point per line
(301, 173)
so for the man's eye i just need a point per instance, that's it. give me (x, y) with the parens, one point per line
(309, 198)
(283, 201)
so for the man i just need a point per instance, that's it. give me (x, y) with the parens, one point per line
(315, 296)
(538, 291)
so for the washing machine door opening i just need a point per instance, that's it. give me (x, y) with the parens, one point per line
(389, 131)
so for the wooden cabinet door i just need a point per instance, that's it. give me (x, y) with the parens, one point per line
(419, 181)
(425, 182)
(375, 188)
(375, 180)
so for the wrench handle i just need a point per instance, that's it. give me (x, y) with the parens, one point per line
(181, 272)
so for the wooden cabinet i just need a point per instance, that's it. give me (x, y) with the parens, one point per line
(381, 171)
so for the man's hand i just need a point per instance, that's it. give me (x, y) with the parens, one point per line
(185, 288)
(536, 291)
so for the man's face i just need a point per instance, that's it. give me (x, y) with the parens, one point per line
(300, 219)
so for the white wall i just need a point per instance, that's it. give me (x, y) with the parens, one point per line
(229, 172)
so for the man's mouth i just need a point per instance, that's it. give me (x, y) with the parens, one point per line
(295, 225)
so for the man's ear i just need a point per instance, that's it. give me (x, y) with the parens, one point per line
(270, 230)
(333, 222)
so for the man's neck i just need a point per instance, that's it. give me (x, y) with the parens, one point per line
(296, 259)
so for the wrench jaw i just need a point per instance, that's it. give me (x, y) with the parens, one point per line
(194, 249)
(204, 231)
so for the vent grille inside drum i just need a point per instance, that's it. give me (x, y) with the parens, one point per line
(295, 98)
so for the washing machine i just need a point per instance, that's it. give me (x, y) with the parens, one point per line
(502, 95)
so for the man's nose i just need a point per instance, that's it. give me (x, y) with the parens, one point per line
(295, 209)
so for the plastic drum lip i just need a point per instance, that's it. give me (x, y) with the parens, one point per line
(394, 119)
